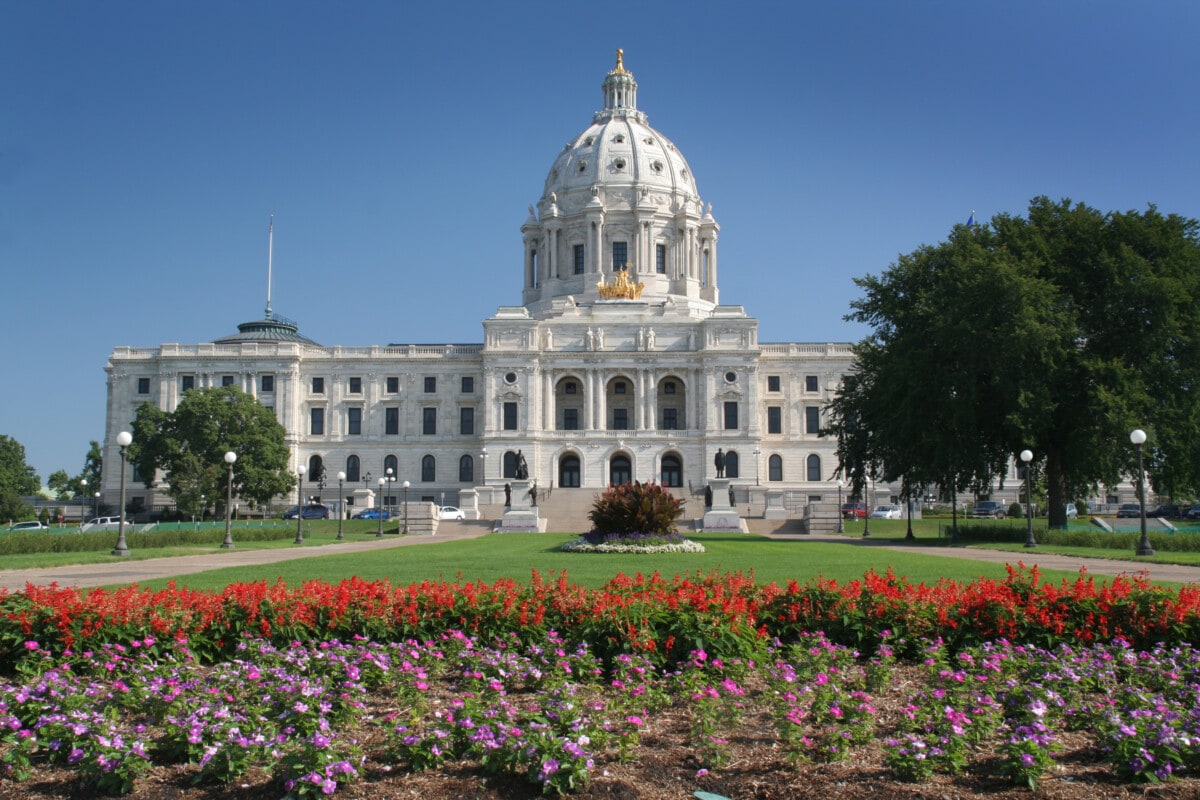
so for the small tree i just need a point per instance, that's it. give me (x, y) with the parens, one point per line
(636, 508)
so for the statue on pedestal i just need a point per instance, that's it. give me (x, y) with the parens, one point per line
(718, 462)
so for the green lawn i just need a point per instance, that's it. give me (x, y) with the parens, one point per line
(517, 556)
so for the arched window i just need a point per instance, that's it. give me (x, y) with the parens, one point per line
(510, 464)
(316, 469)
(775, 468)
(428, 469)
(391, 463)
(568, 472)
(672, 471)
(814, 467)
(353, 467)
(466, 469)
(731, 464)
(620, 471)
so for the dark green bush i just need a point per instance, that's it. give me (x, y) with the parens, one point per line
(636, 508)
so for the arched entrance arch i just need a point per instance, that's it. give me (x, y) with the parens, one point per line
(732, 464)
(671, 404)
(569, 471)
(620, 470)
(671, 470)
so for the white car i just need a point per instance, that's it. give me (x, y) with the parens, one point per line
(32, 525)
(886, 512)
(103, 524)
(450, 512)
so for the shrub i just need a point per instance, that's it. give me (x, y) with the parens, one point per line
(636, 508)
(1016, 510)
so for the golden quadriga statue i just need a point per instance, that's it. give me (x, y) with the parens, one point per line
(622, 287)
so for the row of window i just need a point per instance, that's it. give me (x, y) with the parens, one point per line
(812, 419)
(391, 467)
(354, 384)
(620, 257)
(391, 420)
(811, 384)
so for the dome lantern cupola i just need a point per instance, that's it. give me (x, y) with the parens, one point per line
(620, 93)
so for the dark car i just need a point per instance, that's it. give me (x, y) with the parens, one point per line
(1193, 512)
(989, 509)
(854, 510)
(1166, 512)
(1129, 511)
(373, 513)
(312, 511)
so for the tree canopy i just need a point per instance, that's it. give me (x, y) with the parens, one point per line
(189, 446)
(16, 477)
(1059, 332)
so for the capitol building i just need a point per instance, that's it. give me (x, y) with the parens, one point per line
(619, 361)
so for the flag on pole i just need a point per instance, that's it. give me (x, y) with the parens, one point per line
(971, 219)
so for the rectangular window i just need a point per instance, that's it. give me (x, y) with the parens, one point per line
(316, 425)
(620, 253)
(619, 388)
(227, 380)
(571, 388)
(810, 383)
(391, 421)
(354, 421)
(774, 419)
(570, 419)
(620, 419)
(468, 384)
(772, 383)
(430, 385)
(429, 421)
(670, 420)
(143, 386)
(188, 382)
(318, 386)
(268, 383)
(356, 386)
(669, 387)
(579, 262)
(660, 259)
(510, 416)
(731, 415)
(466, 421)
(393, 385)
(812, 419)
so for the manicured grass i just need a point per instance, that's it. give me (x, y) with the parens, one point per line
(517, 556)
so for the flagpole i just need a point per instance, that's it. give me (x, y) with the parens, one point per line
(270, 253)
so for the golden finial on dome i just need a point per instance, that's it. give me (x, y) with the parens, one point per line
(620, 61)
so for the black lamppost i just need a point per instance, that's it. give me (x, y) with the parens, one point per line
(379, 506)
(1027, 457)
(483, 465)
(841, 515)
(405, 506)
(1138, 437)
(870, 500)
(95, 505)
(391, 498)
(341, 503)
(124, 439)
(300, 470)
(83, 499)
(757, 474)
(230, 457)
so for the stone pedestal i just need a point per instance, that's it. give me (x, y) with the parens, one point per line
(774, 507)
(722, 516)
(521, 515)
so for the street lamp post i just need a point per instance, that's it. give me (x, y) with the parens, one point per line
(124, 439)
(841, 517)
(1027, 457)
(300, 470)
(379, 506)
(341, 503)
(83, 500)
(391, 480)
(95, 505)
(757, 473)
(1138, 437)
(870, 503)
(405, 484)
(230, 457)
(483, 465)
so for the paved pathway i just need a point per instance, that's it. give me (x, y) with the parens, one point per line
(120, 571)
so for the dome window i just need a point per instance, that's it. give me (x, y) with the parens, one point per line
(657, 166)
(588, 141)
(582, 166)
(619, 138)
(683, 174)
(648, 140)
(619, 164)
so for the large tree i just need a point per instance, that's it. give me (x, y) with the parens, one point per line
(16, 477)
(1059, 332)
(189, 446)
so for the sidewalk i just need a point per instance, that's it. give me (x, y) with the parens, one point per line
(121, 571)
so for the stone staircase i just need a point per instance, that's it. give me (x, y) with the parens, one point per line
(566, 510)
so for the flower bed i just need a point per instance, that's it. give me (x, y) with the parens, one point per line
(596, 542)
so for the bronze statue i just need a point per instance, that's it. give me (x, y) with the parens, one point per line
(719, 462)
(522, 467)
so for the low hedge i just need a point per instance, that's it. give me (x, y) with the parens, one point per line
(19, 542)
(1181, 542)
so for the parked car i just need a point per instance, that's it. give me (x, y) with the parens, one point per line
(450, 512)
(1129, 511)
(311, 511)
(1072, 511)
(1193, 512)
(854, 510)
(989, 509)
(32, 525)
(886, 512)
(1166, 512)
(373, 513)
(102, 524)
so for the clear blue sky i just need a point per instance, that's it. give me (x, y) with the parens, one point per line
(399, 144)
